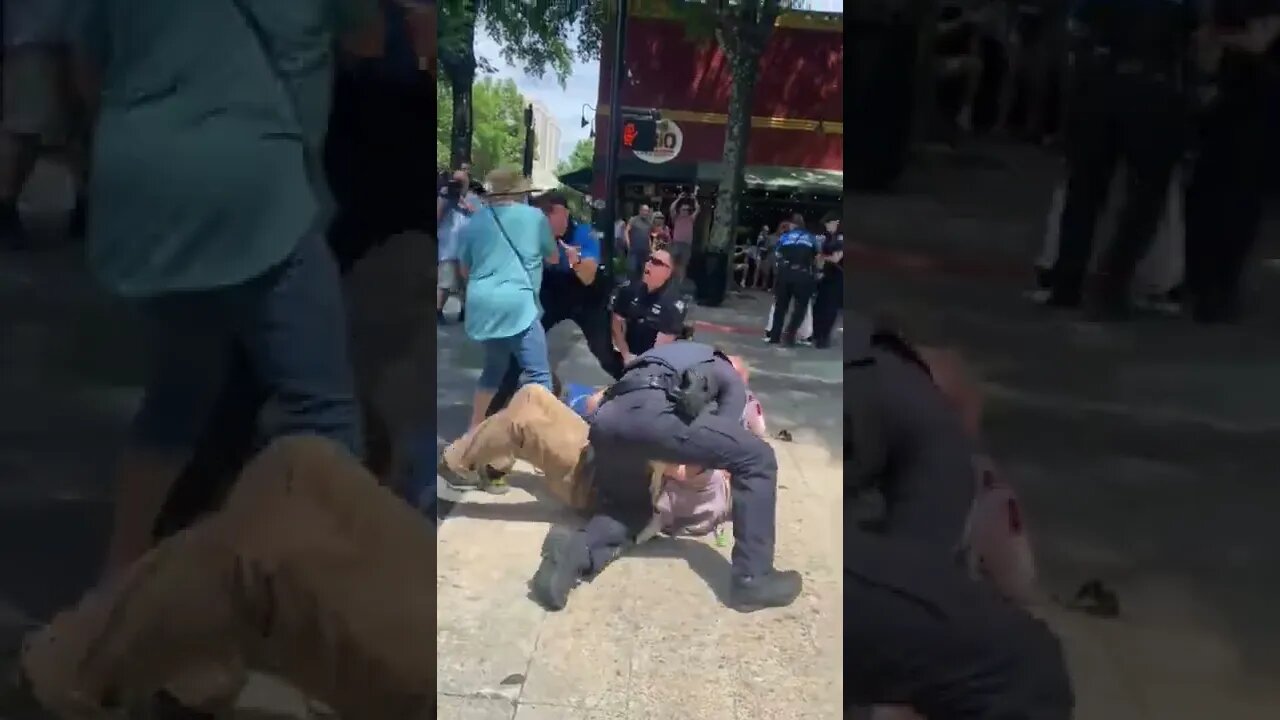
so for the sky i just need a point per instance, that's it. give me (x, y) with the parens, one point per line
(580, 87)
(565, 103)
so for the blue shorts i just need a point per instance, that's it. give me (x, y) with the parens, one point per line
(288, 329)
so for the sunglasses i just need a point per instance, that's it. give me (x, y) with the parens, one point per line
(659, 263)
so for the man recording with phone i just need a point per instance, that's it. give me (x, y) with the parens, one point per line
(454, 207)
(574, 289)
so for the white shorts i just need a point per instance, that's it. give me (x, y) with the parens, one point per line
(36, 99)
(448, 277)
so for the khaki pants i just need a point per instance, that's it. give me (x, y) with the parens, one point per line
(311, 572)
(535, 427)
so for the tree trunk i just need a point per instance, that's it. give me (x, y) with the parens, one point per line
(456, 55)
(736, 136)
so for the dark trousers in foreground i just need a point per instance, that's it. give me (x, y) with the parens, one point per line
(591, 317)
(1113, 118)
(640, 426)
(792, 286)
(920, 632)
(827, 303)
(1224, 202)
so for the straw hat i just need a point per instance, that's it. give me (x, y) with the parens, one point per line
(507, 181)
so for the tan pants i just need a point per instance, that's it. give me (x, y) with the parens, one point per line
(535, 427)
(311, 572)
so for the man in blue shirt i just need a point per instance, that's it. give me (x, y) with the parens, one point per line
(572, 289)
(454, 209)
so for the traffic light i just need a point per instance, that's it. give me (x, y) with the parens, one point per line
(640, 135)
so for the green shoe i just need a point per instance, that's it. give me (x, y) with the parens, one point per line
(494, 482)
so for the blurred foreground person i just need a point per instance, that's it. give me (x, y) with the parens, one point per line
(310, 571)
(927, 634)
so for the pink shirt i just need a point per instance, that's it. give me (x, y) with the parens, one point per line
(682, 229)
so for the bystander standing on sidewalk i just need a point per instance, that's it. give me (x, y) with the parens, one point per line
(684, 214)
(501, 255)
(40, 111)
(454, 208)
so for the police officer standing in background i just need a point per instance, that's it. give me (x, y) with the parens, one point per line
(797, 252)
(830, 295)
(1224, 200)
(574, 289)
(681, 402)
(1127, 101)
(926, 634)
(648, 311)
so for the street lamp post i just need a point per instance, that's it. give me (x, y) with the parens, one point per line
(610, 214)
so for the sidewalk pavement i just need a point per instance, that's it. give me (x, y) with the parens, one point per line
(650, 638)
(1145, 453)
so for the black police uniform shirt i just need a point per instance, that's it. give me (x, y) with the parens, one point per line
(648, 313)
(832, 244)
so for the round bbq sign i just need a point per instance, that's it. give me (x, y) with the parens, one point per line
(670, 141)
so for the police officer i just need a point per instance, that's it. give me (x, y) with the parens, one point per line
(681, 402)
(1224, 199)
(573, 289)
(1128, 62)
(926, 633)
(830, 296)
(796, 278)
(650, 310)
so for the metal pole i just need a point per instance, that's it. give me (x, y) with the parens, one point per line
(529, 142)
(614, 137)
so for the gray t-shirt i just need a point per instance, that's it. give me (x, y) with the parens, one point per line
(639, 238)
(36, 22)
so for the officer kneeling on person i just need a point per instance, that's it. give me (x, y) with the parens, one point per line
(678, 403)
(797, 277)
(920, 630)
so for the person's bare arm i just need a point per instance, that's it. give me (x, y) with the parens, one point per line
(619, 332)
(584, 268)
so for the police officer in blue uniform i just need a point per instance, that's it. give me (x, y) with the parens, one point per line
(797, 277)
(576, 288)
(680, 402)
(1128, 101)
(650, 310)
(830, 295)
(921, 631)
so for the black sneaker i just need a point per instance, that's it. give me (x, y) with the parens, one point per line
(777, 589)
(564, 558)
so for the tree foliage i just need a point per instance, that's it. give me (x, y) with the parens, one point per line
(538, 37)
(498, 125)
(582, 156)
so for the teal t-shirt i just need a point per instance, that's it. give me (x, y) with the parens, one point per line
(502, 290)
(206, 152)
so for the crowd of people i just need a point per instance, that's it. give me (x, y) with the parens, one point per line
(1161, 112)
(224, 199)
(676, 429)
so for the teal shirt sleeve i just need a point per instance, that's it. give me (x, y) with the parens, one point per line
(548, 240)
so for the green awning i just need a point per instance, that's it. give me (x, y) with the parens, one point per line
(757, 177)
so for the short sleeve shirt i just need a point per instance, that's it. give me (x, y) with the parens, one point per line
(562, 279)
(504, 277)
(206, 165)
(648, 313)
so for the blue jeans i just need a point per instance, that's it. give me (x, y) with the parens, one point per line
(528, 349)
(282, 335)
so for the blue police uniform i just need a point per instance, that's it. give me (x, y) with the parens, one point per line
(927, 634)
(564, 297)
(796, 278)
(1128, 102)
(638, 423)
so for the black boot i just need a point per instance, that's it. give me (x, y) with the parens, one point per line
(778, 588)
(565, 558)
